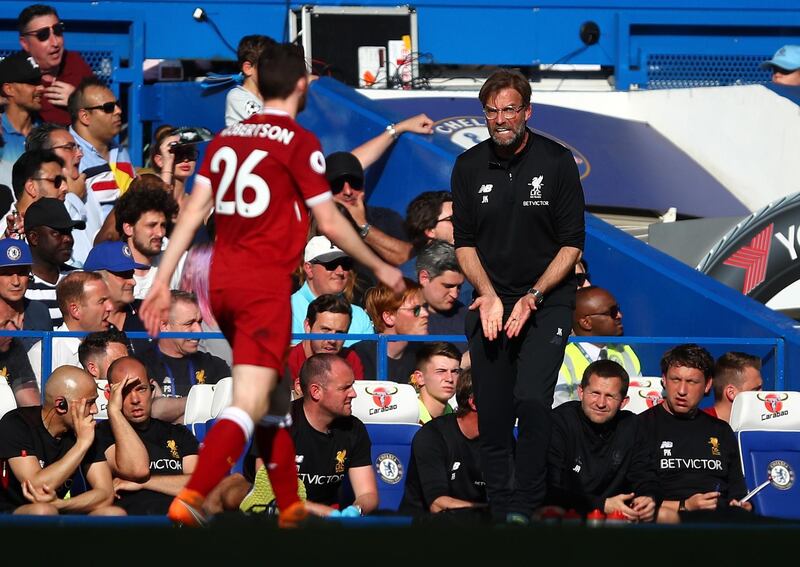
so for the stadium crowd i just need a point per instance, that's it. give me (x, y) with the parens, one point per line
(83, 235)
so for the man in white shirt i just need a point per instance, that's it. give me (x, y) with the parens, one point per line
(84, 302)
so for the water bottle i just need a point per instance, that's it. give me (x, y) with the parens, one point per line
(166, 386)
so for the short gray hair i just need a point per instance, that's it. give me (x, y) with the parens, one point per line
(436, 258)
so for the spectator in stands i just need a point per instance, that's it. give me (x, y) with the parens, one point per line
(48, 229)
(695, 456)
(326, 268)
(394, 314)
(327, 314)
(169, 451)
(194, 279)
(441, 279)
(85, 305)
(36, 175)
(15, 275)
(99, 349)
(177, 364)
(381, 228)
(59, 140)
(41, 33)
(436, 379)
(785, 66)
(244, 100)
(143, 216)
(445, 472)
(114, 262)
(734, 372)
(323, 427)
(96, 120)
(429, 216)
(597, 313)
(594, 461)
(44, 446)
(17, 371)
(174, 162)
(19, 85)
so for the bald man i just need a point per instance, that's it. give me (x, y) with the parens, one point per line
(168, 451)
(42, 447)
(597, 314)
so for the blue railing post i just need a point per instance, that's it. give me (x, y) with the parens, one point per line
(780, 364)
(383, 357)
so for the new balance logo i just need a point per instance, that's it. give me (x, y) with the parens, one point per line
(486, 188)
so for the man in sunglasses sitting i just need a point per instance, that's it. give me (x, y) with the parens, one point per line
(327, 269)
(597, 314)
(36, 174)
(785, 66)
(96, 120)
(41, 35)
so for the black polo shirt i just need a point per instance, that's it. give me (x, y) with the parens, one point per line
(519, 213)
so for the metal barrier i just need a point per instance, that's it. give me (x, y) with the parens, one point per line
(382, 341)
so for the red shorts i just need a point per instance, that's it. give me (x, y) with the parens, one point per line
(257, 323)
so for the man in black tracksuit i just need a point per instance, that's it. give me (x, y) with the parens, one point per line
(594, 461)
(519, 230)
(695, 455)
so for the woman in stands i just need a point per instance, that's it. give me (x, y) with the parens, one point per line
(173, 162)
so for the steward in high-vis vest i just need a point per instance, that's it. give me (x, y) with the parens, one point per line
(597, 313)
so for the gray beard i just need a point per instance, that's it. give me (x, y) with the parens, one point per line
(513, 142)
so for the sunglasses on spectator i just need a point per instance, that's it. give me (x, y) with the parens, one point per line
(416, 310)
(781, 71)
(612, 312)
(43, 34)
(337, 185)
(582, 278)
(345, 263)
(69, 146)
(106, 107)
(57, 181)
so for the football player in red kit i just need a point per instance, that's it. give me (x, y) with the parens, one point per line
(260, 176)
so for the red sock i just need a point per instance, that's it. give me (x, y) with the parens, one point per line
(277, 449)
(222, 447)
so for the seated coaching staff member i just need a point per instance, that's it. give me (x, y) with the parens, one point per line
(695, 456)
(329, 440)
(593, 461)
(41, 448)
(445, 472)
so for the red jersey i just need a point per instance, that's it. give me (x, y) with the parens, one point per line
(264, 173)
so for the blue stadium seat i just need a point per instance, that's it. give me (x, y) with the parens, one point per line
(776, 454)
(391, 456)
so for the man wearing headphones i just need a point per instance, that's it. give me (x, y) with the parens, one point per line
(43, 447)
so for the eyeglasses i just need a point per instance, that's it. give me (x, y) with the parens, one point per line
(185, 154)
(106, 107)
(416, 310)
(69, 146)
(612, 312)
(345, 263)
(445, 219)
(43, 34)
(57, 181)
(582, 278)
(509, 112)
(337, 185)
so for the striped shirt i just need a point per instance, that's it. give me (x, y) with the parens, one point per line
(45, 292)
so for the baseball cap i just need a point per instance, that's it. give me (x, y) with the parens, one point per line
(344, 164)
(787, 57)
(50, 212)
(14, 252)
(19, 68)
(321, 249)
(113, 256)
